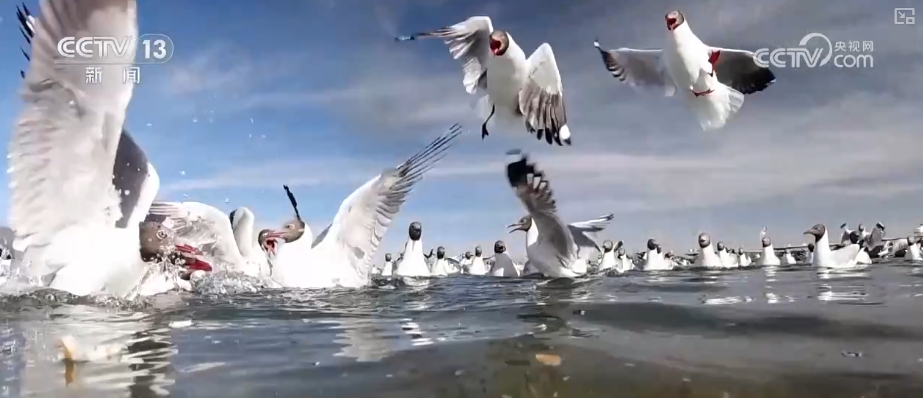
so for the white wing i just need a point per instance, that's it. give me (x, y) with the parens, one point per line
(63, 148)
(199, 224)
(638, 68)
(738, 70)
(534, 191)
(470, 41)
(845, 256)
(584, 232)
(541, 99)
(364, 216)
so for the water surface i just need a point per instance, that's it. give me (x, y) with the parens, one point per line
(783, 332)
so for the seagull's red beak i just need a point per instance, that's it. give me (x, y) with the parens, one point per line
(495, 46)
(271, 241)
(670, 22)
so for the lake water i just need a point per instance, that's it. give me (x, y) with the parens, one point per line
(785, 332)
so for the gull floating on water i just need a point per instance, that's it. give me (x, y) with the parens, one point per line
(556, 249)
(707, 257)
(412, 262)
(768, 255)
(503, 263)
(712, 80)
(522, 89)
(341, 255)
(845, 257)
(654, 259)
(231, 238)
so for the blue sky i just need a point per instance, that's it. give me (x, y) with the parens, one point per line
(317, 95)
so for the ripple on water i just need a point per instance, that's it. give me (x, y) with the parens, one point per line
(778, 332)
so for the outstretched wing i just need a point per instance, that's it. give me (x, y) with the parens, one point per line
(62, 150)
(365, 215)
(534, 191)
(584, 232)
(638, 68)
(468, 40)
(541, 99)
(738, 70)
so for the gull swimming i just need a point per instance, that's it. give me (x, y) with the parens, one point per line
(624, 263)
(388, 268)
(557, 250)
(412, 262)
(768, 255)
(608, 260)
(707, 257)
(524, 89)
(503, 263)
(231, 238)
(477, 263)
(743, 259)
(654, 259)
(440, 265)
(341, 255)
(712, 80)
(825, 257)
(62, 157)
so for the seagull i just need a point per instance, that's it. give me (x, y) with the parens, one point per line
(809, 256)
(918, 231)
(557, 250)
(712, 80)
(624, 264)
(341, 255)
(742, 258)
(707, 257)
(728, 260)
(856, 243)
(477, 263)
(654, 259)
(913, 250)
(412, 262)
(526, 89)
(768, 255)
(440, 265)
(62, 156)
(231, 238)
(825, 257)
(388, 268)
(503, 263)
(608, 260)
(787, 257)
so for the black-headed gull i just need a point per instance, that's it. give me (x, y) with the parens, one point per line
(556, 249)
(62, 153)
(712, 80)
(844, 257)
(525, 89)
(655, 259)
(341, 255)
(231, 239)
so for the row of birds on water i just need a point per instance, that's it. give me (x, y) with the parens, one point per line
(82, 191)
(856, 248)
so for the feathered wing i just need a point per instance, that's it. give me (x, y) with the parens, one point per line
(738, 69)
(198, 224)
(541, 99)
(533, 190)
(584, 232)
(134, 177)
(638, 68)
(63, 148)
(469, 41)
(364, 217)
